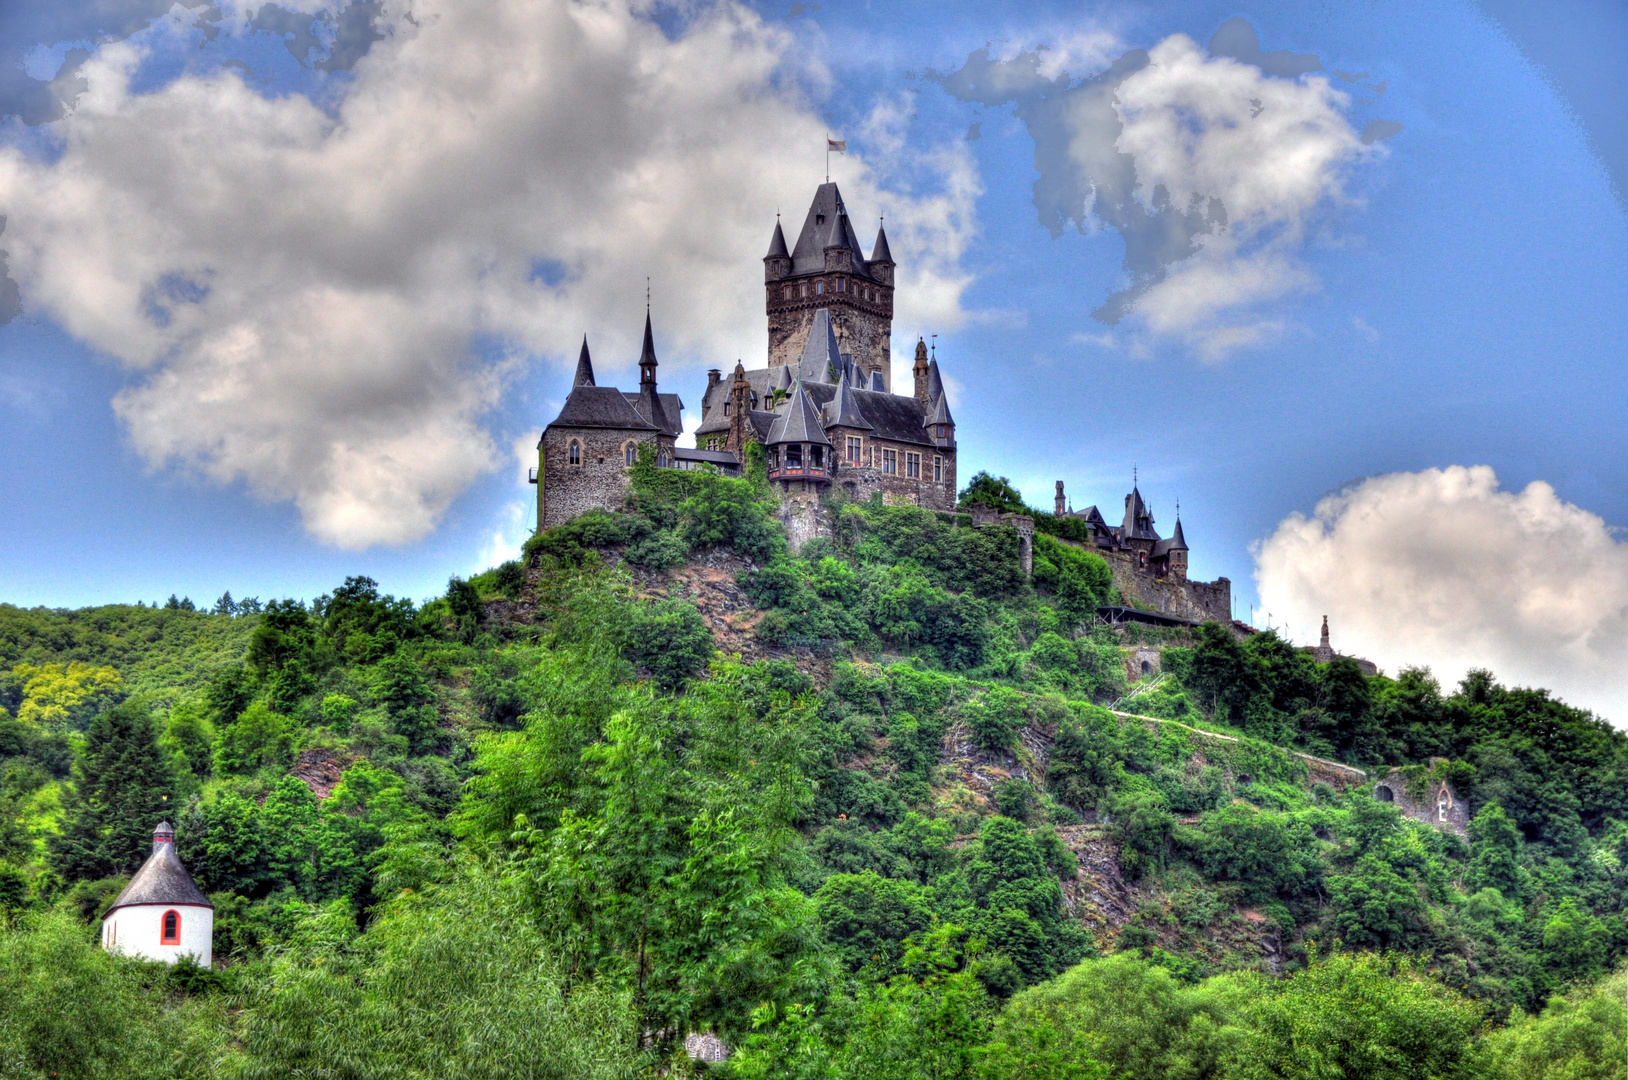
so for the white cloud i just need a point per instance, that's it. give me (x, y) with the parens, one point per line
(1443, 568)
(1270, 150)
(298, 291)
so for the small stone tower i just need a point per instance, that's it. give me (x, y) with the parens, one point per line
(1323, 654)
(161, 914)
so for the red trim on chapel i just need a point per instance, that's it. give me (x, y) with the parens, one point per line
(167, 934)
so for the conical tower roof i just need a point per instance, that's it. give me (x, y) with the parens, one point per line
(1138, 523)
(777, 244)
(843, 409)
(647, 355)
(821, 358)
(880, 252)
(1178, 542)
(162, 879)
(800, 423)
(585, 366)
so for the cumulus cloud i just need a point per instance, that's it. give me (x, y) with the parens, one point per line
(1210, 165)
(1444, 568)
(325, 300)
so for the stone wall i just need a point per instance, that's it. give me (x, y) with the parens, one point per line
(1437, 804)
(599, 483)
(860, 482)
(1199, 601)
(803, 516)
(864, 329)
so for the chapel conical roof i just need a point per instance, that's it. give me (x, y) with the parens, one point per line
(585, 366)
(647, 355)
(800, 423)
(162, 879)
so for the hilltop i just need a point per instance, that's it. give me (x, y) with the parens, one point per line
(890, 803)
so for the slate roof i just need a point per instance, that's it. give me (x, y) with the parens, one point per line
(162, 879)
(939, 412)
(777, 244)
(800, 423)
(890, 416)
(821, 358)
(843, 408)
(880, 252)
(600, 407)
(820, 229)
(1138, 524)
(716, 457)
(585, 366)
(671, 408)
(1176, 542)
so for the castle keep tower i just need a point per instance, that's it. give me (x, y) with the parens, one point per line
(828, 270)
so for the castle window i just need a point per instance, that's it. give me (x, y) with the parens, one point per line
(574, 456)
(938, 469)
(726, 408)
(819, 288)
(816, 456)
(802, 290)
(794, 457)
(842, 284)
(169, 932)
(662, 460)
(853, 449)
(912, 466)
(890, 461)
(785, 294)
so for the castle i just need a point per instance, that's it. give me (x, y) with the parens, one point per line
(824, 412)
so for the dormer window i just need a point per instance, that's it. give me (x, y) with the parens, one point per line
(819, 219)
(726, 408)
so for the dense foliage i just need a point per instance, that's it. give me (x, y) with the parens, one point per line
(930, 826)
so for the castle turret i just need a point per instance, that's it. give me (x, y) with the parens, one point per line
(940, 424)
(162, 914)
(777, 263)
(919, 369)
(799, 452)
(1061, 504)
(881, 261)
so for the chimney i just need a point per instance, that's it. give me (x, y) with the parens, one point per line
(920, 370)
(1060, 503)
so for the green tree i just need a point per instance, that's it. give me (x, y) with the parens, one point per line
(1582, 1035)
(995, 492)
(122, 788)
(1495, 852)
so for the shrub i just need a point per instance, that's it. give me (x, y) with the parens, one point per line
(671, 641)
(995, 717)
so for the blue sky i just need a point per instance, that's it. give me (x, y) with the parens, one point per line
(278, 318)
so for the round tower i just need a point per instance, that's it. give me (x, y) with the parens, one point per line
(161, 914)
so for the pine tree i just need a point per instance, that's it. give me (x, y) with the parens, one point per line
(122, 789)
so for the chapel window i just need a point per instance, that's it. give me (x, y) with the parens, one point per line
(575, 454)
(632, 453)
(170, 929)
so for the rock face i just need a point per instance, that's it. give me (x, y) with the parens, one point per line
(319, 770)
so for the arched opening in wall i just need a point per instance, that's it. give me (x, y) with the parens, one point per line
(169, 932)
(1384, 794)
(574, 455)
(631, 450)
(1146, 667)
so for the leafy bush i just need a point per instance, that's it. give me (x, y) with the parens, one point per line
(671, 641)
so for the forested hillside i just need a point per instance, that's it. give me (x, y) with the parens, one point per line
(888, 808)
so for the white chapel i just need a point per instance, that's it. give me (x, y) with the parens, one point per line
(161, 914)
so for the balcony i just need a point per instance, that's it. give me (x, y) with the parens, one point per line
(531, 477)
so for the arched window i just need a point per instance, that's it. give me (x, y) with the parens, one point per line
(842, 284)
(574, 456)
(661, 460)
(170, 930)
(632, 451)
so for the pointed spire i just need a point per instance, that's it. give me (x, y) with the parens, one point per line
(585, 366)
(800, 423)
(647, 356)
(1177, 540)
(880, 252)
(821, 359)
(777, 244)
(843, 409)
(935, 382)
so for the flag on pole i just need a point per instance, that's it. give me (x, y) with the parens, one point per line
(839, 145)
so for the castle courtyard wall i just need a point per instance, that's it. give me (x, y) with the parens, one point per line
(1198, 601)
